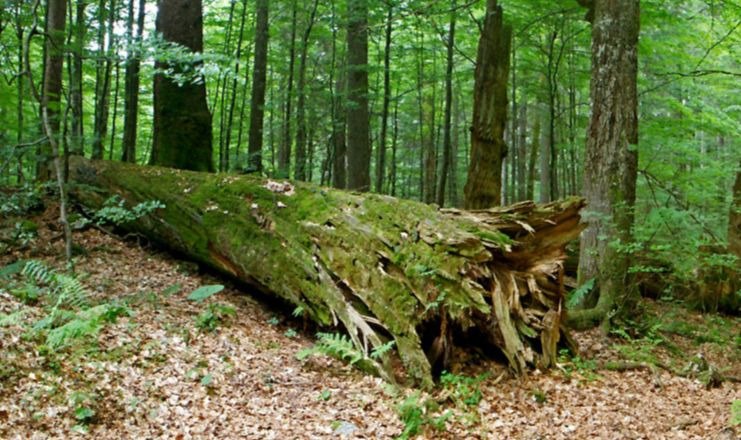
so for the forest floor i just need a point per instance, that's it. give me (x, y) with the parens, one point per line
(156, 374)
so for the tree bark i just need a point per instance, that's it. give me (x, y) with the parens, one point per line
(301, 137)
(611, 158)
(533, 157)
(358, 117)
(103, 78)
(284, 155)
(225, 164)
(75, 80)
(52, 84)
(381, 157)
(522, 153)
(259, 81)
(387, 269)
(182, 122)
(447, 122)
(131, 84)
(484, 186)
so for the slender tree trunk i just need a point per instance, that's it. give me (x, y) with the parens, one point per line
(381, 156)
(284, 156)
(182, 122)
(455, 146)
(131, 86)
(522, 153)
(233, 100)
(545, 164)
(259, 80)
(447, 123)
(75, 80)
(358, 117)
(513, 152)
(20, 89)
(52, 85)
(533, 156)
(484, 186)
(611, 158)
(339, 166)
(394, 138)
(300, 168)
(103, 79)
(115, 110)
(222, 85)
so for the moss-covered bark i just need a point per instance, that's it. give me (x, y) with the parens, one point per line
(383, 268)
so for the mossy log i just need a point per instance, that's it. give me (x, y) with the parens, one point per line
(385, 269)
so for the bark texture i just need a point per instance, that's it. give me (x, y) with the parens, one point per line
(611, 155)
(484, 186)
(358, 116)
(383, 268)
(259, 81)
(182, 121)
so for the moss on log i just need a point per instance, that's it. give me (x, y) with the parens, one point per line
(384, 268)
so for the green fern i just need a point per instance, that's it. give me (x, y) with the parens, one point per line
(333, 344)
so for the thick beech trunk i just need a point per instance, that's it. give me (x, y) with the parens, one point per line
(384, 268)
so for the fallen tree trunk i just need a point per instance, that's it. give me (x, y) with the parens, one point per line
(386, 269)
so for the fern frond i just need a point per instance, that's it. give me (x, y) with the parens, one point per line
(38, 272)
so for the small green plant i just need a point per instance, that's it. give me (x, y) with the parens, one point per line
(214, 315)
(290, 333)
(587, 368)
(333, 344)
(464, 390)
(736, 413)
(83, 405)
(580, 293)
(115, 212)
(325, 395)
(414, 413)
(273, 321)
(204, 292)
(539, 395)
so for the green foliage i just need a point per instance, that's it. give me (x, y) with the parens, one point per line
(333, 344)
(464, 390)
(414, 413)
(585, 367)
(20, 202)
(580, 293)
(204, 292)
(115, 212)
(214, 316)
(736, 413)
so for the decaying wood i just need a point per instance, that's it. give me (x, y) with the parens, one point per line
(383, 268)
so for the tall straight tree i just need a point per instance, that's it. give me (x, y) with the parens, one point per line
(611, 157)
(447, 123)
(259, 81)
(182, 122)
(284, 154)
(103, 75)
(358, 116)
(484, 186)
(75, 79)
(381, 156)
(131, 83)
(52, 85)
(300, 172)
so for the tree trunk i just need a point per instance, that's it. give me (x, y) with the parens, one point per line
(284, 155)
(52, 85)
(103, 78)
(301, 138)
(358, 117)
(182, 122)
(75, 80)
(115, 110)
(533, 157)
(131, 84)
(611, 157)
(484, 186)
(233, 99)
(387, 269)
(447, 122)
(381, 157)
(522, 153)
(259, 81)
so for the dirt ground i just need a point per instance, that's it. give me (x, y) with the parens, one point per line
(154, 374)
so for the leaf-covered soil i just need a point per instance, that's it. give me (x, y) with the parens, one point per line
(154, 374)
